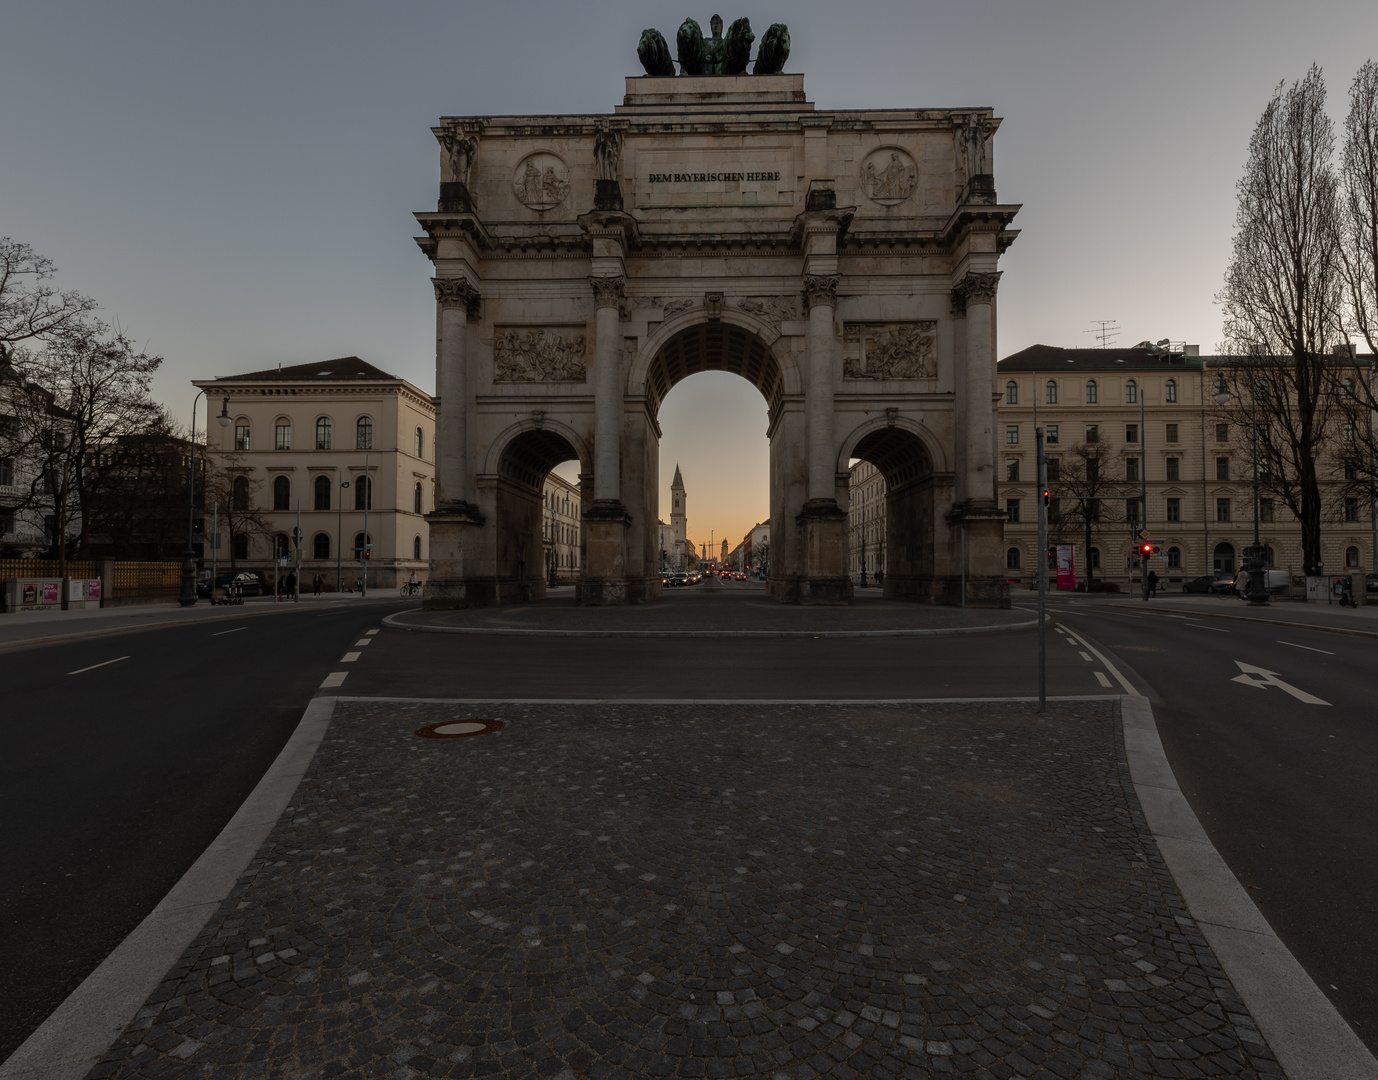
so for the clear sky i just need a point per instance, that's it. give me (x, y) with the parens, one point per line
(235, 182)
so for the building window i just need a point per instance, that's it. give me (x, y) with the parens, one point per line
(363, 493)
(1131, 433)
(6, 472)
(1090, 391)
(1174, 468)
(416, 547)
(1012, 470)
(1170, 395)
(1050, 435)
(1092, 433)
(1171, 432)
(1347, 389)
(1351, 558)
(1131, 468)
(416, 497)
(1224, 556)
(363, 434)
(239, 493)
(420, 443)
(241, 435)
(1174, 554)
(1012, 509)
(1131, 393)
(1054, 510)
(1011, 433)
(322, 487)
(1222, 432)
(282, 493)
(362, 542)
(321, 548)
(1269, 556)
(1174, 509)
(325, 433)
(1131, 511)
(1092, 470)
(1011, 393)
(282, 436)
(1012, 559)
(1222, 509)
(1053, 467)
(1265, 509)
(1050, 392)
(239, 544)
(1351, 509)
(1351, 471)
(1095, 558)
(1222, 468)
(1348, 432)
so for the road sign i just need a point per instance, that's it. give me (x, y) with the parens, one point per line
(1157, 549)
(1143, 534)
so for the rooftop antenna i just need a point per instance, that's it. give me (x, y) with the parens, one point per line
(1106, 331)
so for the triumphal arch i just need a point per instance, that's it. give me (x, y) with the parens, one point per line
(843, 262)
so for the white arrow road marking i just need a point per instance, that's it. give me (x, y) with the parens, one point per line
(1263, 678)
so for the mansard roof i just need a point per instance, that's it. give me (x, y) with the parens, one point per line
(344, 367)
(1141, 357)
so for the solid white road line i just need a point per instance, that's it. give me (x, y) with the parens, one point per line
(236, 630)
(350, 657)
(93, 667)
(335, 678)
(1308, 648)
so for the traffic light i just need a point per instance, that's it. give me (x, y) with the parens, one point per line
(1052, 555)
(1145, 550)
(296, 536)
(1046, 498)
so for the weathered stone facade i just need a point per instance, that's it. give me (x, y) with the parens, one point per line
(845, 263)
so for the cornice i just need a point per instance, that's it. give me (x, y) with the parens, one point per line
(445, 225)
(980, 218)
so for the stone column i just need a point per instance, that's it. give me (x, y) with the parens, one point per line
(606, 521)
(455, 520)
(977, 293)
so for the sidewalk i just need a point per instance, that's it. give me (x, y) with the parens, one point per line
(629, 891)
(1361, 621)
(22, 628)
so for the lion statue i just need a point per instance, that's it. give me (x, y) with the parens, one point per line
(774, 51)
(737, 47)
(654, 53)
(689, 42)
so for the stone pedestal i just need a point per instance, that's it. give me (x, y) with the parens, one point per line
(605, 555)
(455, 533)
(984, 526)
(824, 527)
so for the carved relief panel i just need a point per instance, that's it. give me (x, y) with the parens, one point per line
(544, 354)
(894, 350)
(889, 175)
(541, 180)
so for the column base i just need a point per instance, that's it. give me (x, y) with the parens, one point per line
(825, 579)
(605, 557)
(454, 531)
(984, 524)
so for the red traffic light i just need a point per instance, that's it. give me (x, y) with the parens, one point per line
(1147, 549)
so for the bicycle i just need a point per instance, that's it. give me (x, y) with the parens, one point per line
(411, 588)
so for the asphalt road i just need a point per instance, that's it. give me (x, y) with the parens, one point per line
(1286, 788)
(115, 779)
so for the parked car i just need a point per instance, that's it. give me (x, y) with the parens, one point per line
(1371, 583)
(250, 583)
(1211, 583)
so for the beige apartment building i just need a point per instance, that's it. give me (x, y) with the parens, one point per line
(1153, 409)
(865, 523)
(333, 440)
(560, 530)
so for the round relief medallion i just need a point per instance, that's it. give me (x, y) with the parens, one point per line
(541, 181)
(889, 175)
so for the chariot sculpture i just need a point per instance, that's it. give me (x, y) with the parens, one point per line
(718, 54)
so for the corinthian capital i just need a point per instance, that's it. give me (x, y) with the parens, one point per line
(976, 289)
(454, 292)
(821, 289)
(607, 291)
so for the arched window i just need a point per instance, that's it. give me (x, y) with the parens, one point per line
(325, 433)
(420, 443)
(242, 432)
(322, 546)
(282, 435)
(1346, 388)
(239, 497)
(240, 545)
(1351, 558)
(1224, 558)
(1090, 391)
(1170, 390)
(282, 493)
(1174, 558)
(1269, 558)
(363, 433)
(1095, 558)
(360, 543)
(416, 547)
(1012, 559)
(1011, 393)
(1131, 393)
(416, 496)
(363, 493)
(1050, 392)
(322, 493)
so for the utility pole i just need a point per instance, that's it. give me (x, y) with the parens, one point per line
(368, 498)
(1143, 490)
(1041, 468)
(296, 539)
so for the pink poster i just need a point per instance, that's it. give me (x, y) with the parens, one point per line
(1066, 566)
(51, 592)
(93, 589)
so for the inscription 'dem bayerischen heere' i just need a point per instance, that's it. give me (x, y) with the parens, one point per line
(711, 177)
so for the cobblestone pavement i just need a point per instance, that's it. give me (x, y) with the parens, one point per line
(638, 891)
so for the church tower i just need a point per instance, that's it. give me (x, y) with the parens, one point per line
(679, 528)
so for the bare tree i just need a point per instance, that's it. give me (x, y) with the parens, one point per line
(1089, 497)
(1283, 294)
(233, 489)
(30, 308)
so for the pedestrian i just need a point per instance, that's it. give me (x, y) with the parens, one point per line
(1153, 583)
(1241, 583)
(316, 585)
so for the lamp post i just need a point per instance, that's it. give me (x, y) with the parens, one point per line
(1258, 587)
(188, 597)
(339, 536)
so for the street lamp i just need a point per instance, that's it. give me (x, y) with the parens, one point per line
(339, 536)
(188, 597)
(1258, 587)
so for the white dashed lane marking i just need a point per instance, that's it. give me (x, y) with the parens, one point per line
(93, 667)
(1103, 680)
(335, 678)
(350, 657)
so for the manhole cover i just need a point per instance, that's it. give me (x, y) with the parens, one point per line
(459, 729)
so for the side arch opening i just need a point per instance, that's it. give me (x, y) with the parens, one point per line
(538, 535)
(890, 520)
